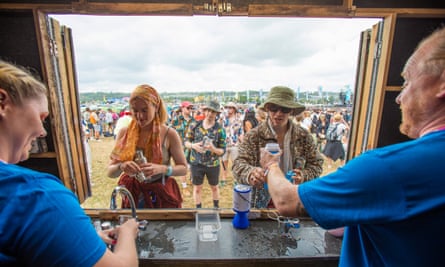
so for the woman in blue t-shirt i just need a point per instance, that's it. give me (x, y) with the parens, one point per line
(42, 223)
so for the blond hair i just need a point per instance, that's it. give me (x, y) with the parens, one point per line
(261, 115)
(19, 83)
(337, 117)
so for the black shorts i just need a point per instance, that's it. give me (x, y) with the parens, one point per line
(198, 171)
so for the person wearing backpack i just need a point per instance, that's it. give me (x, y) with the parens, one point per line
(334, 149)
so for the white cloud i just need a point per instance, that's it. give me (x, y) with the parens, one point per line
(207, 53)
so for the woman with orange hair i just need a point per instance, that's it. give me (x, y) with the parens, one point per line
(150, 181)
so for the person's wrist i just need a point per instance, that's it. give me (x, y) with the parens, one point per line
(272, 164)
(169, 170)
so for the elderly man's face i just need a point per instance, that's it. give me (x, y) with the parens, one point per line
(418, 95)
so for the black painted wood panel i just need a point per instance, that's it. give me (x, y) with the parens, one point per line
(18, 40)
(408, 33)
(389, 129)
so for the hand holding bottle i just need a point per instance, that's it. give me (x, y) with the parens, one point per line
(140, 159)
(270, 154)
(267, 157)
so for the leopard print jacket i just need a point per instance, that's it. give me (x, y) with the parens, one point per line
(302, 144)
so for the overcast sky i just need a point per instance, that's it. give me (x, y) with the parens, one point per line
(209, 53)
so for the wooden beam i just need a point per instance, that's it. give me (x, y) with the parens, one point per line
(176, 214)
(299, 11)
(185, 9)
(393, 88)
(182, 9)
(237, 8)
(401, 12)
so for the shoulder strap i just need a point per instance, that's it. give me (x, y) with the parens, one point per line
(165, 136)
(334, 132)
(334, 128)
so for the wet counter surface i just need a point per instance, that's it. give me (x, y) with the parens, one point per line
(176, 242)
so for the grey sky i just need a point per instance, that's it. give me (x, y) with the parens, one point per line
(207, 53)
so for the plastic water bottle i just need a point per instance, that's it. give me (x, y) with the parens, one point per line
(206, 141)
(273, 148)
(140, 159)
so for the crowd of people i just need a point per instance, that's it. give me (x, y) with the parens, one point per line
(236, 150)
(390, 200)
(99, 122)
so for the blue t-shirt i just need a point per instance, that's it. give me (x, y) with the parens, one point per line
(391, 199)
(42, 223)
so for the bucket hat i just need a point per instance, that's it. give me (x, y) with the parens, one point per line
(231, 105)
(285, 97)
(213, 105)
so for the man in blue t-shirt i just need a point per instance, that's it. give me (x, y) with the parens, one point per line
(390, 200)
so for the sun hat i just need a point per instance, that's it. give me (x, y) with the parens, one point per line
(231, 105)
(213, 105)
(337, 117)
(285, 97)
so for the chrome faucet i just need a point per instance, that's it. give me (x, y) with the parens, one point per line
(123, 191)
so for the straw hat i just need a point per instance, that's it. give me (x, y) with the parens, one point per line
(285, 97)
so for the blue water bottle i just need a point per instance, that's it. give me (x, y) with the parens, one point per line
(289, 175)
(241, 206)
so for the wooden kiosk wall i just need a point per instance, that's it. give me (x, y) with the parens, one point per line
(22, 41)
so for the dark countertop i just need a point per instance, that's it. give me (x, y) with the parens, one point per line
(176, 242)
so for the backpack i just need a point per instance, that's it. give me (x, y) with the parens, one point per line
(331, 134)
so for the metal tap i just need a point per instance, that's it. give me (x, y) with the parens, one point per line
(123, 191)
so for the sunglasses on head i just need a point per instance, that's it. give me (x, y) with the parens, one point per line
(275, 108)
